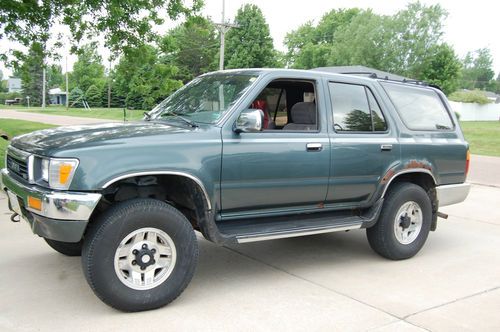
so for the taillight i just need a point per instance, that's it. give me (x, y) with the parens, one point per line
(467, 163)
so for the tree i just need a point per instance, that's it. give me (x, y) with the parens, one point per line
(477, 72)
(88, 69)
(55, 77)
(250, 45)
(76, 96)
(310, 46)
(121, 24)
(93, 96)
(441, 67)
(193, 47)
(144, 77)
(497, 84)
(31, 74)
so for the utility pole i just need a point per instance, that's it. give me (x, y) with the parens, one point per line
(223, 27)
(109, 84)
(43, 87)
(67, 86)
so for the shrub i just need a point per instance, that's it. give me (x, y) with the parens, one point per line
(468, 96)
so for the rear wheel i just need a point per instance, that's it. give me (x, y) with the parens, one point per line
(65, 248)
(404, 222)
(140, 255)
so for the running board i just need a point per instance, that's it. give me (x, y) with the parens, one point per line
(294, 233)
(262, 229)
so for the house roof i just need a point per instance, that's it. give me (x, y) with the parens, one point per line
(56, 91)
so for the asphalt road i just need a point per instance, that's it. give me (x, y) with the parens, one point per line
(57, 120)
(319, 283)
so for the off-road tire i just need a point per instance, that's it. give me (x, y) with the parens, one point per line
(382, 236)
(104, 236)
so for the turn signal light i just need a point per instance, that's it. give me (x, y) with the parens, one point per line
(35, 203)
(467, 163)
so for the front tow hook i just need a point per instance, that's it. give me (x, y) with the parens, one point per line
(15, 217)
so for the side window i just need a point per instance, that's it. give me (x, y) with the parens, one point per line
(355, 109)
(420, 108)
(287, 105)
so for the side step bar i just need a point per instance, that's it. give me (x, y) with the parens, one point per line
(295, 233)
(261, 229)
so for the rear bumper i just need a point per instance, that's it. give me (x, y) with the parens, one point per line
(452, 193)
(63, 216)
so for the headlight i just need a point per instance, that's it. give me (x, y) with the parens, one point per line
(58, 173)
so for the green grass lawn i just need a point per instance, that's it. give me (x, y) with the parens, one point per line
(14, 128)
(98, 113)
(483, 137)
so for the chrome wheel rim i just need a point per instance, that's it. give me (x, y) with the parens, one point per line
(145, 258)
(408, 222)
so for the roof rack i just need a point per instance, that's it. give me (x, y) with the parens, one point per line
(375, 74)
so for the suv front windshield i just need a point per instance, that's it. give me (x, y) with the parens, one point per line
(205, 99)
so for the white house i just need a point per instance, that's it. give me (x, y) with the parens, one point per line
(57, 96)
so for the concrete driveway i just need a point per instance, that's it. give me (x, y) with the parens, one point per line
(320, 283)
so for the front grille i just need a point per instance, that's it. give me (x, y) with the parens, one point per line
(17, 167)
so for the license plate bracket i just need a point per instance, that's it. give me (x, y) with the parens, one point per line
(14, 202)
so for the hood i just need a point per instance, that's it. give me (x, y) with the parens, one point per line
(49, 141)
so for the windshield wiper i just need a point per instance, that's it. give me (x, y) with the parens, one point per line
(186, 120)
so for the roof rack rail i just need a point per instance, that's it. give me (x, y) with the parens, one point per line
(375, 74)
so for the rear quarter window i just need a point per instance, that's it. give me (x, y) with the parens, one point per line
(419, 108)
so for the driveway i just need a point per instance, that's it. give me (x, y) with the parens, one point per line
(325, 282)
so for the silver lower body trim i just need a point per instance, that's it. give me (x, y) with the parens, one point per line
(282, 235)
(452, 193)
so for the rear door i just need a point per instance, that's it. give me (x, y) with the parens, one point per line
(364, 143)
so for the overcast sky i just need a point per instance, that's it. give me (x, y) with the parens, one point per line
(469, 26)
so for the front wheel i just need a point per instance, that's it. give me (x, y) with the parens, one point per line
(140, 255)
(404, 222)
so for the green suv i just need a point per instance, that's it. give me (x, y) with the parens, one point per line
(239, 156)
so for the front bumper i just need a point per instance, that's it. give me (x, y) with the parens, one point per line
(63, 216)
(452, 193)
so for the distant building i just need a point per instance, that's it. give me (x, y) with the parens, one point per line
(14, 84)
(492, 96)
(57, 96)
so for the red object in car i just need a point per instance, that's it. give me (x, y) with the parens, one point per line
(261, 105)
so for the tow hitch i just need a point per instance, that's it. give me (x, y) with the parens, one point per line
(15, 217)
(442, 215)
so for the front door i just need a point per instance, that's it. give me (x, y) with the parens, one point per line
(285, 169)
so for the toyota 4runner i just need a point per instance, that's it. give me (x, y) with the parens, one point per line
(240, 156)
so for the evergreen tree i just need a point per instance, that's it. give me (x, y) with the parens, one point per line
(93, 96)
(31, 74)
(250, 45)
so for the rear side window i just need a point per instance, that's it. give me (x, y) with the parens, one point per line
(420, 108)
(355, 109)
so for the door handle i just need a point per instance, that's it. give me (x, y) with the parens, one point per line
(314, 146)
(386, 147)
